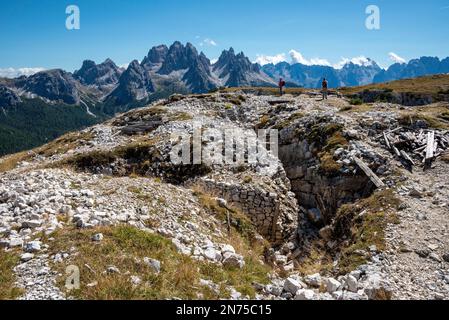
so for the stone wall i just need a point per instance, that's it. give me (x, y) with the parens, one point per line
(271, 208)
(318, 194)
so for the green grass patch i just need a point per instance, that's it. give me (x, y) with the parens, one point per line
(8, 260)
(356, 101)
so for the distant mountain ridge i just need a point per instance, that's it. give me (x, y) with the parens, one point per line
(182, 69)
(98, 91)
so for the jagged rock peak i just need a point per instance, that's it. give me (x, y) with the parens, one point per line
(102, 74)
(134, 85)
(180, 57)
(155, 56)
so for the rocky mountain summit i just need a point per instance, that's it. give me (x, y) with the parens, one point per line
(103, 74)
(52, 85)
(332, 213)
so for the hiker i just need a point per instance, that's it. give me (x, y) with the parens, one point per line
(324, 88)
(281, 86)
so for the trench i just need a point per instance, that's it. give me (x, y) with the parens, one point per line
(319, 195)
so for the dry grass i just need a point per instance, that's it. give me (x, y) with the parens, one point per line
(64, 143)
(364, 223)
(328, 166)
(434, 115)
(445, 157)
(61, 145)
(10, 162)
(8, 260)
(423, 85)
(289, 121)
(124, 247)
(241, 236)
(328, 138)
(317, 261)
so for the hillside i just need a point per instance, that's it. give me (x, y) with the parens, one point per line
(416, 91)
(436, 84)
(311, 223)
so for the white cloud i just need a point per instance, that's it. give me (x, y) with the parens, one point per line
(208, 42)
(214, 61)
(297, 57)
(15, 73)
(397, 59)
(360, 60)
(263, 60)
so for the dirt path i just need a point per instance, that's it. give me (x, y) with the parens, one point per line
(418, 263)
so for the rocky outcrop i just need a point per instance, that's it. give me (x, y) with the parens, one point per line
(237, 71)
(54, 85)
(134, 85)
(8, 98)
(179, 57)
(106, 73)
(155, 56)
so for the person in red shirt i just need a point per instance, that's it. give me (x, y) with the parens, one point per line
(281, 86)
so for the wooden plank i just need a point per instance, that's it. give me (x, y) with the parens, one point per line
(391, 131)
(387, 142)
(407, 157)
(430, 149)
(396, 151)
(373, 177)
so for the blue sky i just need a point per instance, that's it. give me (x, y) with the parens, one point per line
(33, 33)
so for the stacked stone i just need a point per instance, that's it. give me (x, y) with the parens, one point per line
(272, 214)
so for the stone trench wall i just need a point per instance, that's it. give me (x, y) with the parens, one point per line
(274, 213)
(321, 196)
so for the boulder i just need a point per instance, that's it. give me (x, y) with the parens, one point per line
(153, 264)
(26, 257)
(332, 285)
(305, 294)
(232, 260)
(313, 280)
(351, 283)
(33, 246)
(97, 237)
(292, 285)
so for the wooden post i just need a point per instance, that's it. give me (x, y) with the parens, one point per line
(375, 179)
(430, 149)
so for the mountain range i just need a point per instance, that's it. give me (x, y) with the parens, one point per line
(98, 91)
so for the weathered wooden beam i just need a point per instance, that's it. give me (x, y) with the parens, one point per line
(407, 157)
(430, 148)
(373, 177)
(387, 142)
(396, 151)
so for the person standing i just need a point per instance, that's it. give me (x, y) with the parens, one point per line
(281, 86)
(324, 87)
